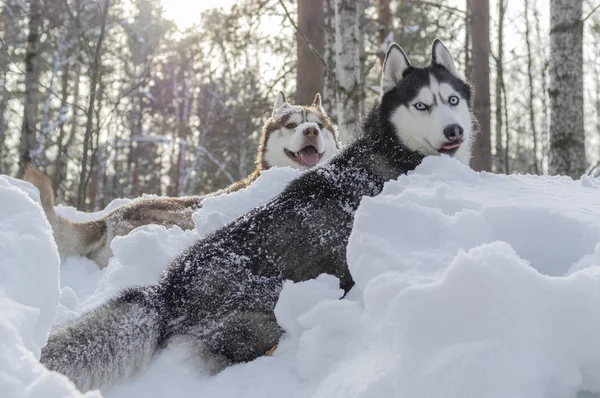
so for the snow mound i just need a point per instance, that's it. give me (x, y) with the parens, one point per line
(219, 210)
(475, 285)
(467, 285)
(28, 295)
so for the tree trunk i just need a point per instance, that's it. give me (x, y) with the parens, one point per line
(385, 27)
(480, 76)
(567, 140)
(95, 175)
(506, 132)
(39, 155)
(3, 102)
(7, 32)
(467, 44)
(30, 100)
(60, 169)
(500, 167)
(310, 71)
(544, 86)
(60, 161)
(330, 84)
(597, 84)
(87, 142)
(183, 110)
(531, 97)
(349, 90)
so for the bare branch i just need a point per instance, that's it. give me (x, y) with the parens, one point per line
(591, 13)
(443, 6)
(308, 43)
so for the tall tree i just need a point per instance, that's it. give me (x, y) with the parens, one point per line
(567, 139)
(384, 27)
(468, 34)
(310, 70)
(544, 82)
(480, 77)
(500, 157)
(30, 103)
(7, 31)
(329, 54)
(531, 97)
(349, 90)
(95, 75)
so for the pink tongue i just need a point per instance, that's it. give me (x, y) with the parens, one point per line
(450, 146)
(309, 156)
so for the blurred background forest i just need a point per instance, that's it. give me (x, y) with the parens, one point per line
(115, 98)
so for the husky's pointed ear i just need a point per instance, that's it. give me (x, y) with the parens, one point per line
(279, 102)
(317, 101)
(394, 65)
(441, 55)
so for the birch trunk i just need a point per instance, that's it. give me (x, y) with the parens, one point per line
(531, 97)
(567, 139)
(349, 90)
(330, 83)
(30, 100)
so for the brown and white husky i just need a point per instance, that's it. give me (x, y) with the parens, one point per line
(296, 136)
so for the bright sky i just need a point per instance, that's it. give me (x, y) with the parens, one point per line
(186, 13)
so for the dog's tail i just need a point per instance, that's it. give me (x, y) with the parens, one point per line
(107, 344)
(72, 238)
(42, 182)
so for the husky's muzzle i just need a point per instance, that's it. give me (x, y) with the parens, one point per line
(454, 133)
(308, 155)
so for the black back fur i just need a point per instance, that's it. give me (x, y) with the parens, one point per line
(231, 280)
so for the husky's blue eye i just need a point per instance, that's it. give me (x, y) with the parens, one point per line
(291, 126)
(453, 100)
(421, 106)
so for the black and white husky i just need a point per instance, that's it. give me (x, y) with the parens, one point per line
(219, 294)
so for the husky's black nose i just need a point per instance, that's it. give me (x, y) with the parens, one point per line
(454, 132)
(311, 132)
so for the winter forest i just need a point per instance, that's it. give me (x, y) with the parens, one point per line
(115, 98)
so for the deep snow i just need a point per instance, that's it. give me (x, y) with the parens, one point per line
(467, 285)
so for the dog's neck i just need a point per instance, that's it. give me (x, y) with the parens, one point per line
(390, 157)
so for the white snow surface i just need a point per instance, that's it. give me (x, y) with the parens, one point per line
(29, 267)
(468, 285)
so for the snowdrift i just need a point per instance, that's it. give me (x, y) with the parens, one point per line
(29, 295)
(468, 285)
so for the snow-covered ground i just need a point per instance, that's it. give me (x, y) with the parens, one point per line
(468, 285)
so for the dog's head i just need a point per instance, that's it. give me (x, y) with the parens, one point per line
(297, 136)
(430, 107)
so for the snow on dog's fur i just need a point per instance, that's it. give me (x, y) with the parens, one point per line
(219, 294)
(296, 136)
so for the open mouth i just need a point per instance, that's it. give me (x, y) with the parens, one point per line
(307, 156)
(450, 148)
